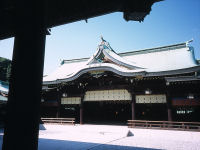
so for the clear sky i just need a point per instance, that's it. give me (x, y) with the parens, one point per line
(169, 22)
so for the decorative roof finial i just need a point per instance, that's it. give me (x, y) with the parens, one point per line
(102, 40)
(187, 42)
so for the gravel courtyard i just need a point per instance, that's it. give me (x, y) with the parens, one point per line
(110, 137)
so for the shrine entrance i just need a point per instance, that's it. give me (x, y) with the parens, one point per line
(107, 106)
(154, 112)
(107, 112)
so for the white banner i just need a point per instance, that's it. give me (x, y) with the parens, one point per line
(107, 95)
(71, 100)
(151, 98)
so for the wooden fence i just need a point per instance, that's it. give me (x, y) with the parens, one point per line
(59, 120)
(189, 126)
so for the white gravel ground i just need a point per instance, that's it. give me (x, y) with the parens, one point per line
(110, 137)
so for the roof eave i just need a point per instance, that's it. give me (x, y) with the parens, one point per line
(132, 74)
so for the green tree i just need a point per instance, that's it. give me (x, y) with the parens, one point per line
(5, 68)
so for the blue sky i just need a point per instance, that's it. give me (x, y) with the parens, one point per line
(169, 22)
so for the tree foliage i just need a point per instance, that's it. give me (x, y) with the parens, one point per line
(5, 68)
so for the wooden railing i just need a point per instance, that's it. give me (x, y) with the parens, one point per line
(190, 126)
(59, 120)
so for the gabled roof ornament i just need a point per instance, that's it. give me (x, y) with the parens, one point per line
(187, 42)
(105, 54)
(105, 45)
(102, 39)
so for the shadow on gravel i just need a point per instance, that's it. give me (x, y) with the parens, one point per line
(52, 144)
(41, 127)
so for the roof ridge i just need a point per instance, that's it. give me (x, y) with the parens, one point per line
(136, 52)
(155, 49)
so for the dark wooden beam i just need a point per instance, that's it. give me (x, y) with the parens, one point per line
(23, 111)
(63, 12)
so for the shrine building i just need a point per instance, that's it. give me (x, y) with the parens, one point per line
(161, 83)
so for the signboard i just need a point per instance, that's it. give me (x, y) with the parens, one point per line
(71, 100)
(151, 98)
(107, 95)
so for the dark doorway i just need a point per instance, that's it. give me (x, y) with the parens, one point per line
(70, 111)
(109, 112)
(186, 113)
(157, 112)
(48, 111)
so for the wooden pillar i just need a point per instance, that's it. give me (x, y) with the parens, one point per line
(81, 109)
(23, 106)
(169, 106)
(133, 106)
(59, 103)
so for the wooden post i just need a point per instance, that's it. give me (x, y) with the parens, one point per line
(133, 106)
(169, 105)
(59, 103)
(81, 109)
(23, 107)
